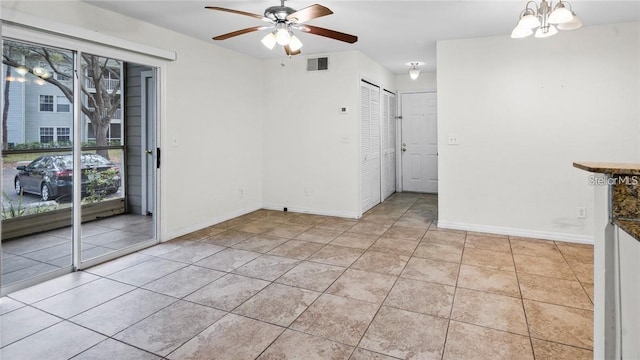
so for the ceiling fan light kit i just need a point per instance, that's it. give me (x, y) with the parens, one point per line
(294, 43)
(269, 40)
(284, 20)
(547, 18)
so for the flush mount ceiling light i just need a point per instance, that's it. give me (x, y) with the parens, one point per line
(547, 18)
(414, 72)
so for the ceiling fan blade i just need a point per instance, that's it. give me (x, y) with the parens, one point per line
(308, 13)
(329, 33)
(259, 17)
(239, 32)
(289, 52)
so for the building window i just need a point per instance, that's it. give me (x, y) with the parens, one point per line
(63, 134)
(46, 103)
(62, 104)
(46, 134)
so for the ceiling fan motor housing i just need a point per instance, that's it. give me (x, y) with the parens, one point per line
(278, 13)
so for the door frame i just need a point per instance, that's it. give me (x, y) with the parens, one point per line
(145, 128)
(399, 169)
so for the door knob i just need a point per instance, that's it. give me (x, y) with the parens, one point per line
(149, 151)
(404, 149)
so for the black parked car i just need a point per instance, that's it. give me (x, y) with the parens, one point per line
(50, 176)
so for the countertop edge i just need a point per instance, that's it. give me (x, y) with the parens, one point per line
(609, 168)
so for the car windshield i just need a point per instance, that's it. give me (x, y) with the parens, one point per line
(91, 160)
(88, 161)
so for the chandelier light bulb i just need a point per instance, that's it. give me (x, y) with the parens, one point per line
(529, 21)
(283, 37)
(520, 32)
(269, 41)
(560, 15)
(294, 43)
(574, 24)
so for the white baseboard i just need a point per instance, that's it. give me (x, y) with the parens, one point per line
(582, 239)
(214, 221)
(343, 214)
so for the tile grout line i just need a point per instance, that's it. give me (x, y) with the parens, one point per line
(574, 273)
(390, 289)
(524, 310)
(455, 291)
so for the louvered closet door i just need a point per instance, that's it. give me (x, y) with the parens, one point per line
(370, 145)
(388, 144)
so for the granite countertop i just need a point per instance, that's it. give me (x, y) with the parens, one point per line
(625, 191)
(609, 168)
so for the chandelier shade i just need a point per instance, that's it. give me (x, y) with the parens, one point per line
(547, 18)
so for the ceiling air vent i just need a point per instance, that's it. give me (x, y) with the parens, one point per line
(318, 64)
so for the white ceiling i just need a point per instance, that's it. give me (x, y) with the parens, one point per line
(392, 33)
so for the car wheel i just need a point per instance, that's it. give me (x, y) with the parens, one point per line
(18, 186)
(45, 193)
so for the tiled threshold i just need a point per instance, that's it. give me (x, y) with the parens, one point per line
(275, 285)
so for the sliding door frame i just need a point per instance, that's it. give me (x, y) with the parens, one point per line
(78, 47)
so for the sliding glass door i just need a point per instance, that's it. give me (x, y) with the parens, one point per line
(37, 154)
(78, 150)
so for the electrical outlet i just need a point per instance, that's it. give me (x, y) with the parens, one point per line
(241, 191)
(453, 139)
(345, 139)
(307, 192)
(581, 212)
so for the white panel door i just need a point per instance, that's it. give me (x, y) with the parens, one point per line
(370, 145)
(419, 142)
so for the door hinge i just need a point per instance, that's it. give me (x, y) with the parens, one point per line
(158, 158)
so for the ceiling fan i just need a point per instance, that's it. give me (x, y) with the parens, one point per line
(283, 20)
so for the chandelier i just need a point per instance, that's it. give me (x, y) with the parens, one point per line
(547, 18)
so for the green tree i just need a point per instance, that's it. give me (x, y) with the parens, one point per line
(100, 73)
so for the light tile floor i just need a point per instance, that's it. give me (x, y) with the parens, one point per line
(276, 285)
(34, 255)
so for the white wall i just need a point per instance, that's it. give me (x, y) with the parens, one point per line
(524, 112)
(213, 105)
(427, 81)
(303, 131)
